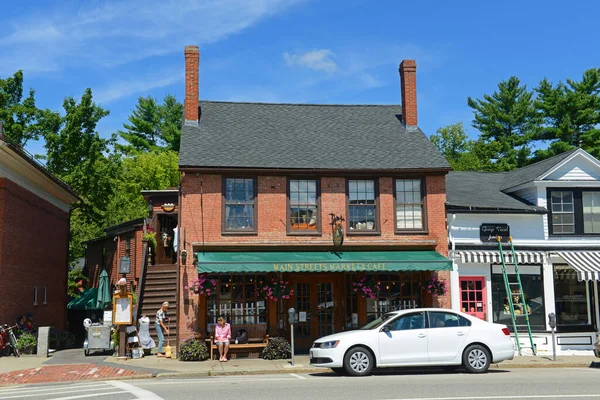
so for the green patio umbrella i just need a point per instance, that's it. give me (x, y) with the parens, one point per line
(104, 297)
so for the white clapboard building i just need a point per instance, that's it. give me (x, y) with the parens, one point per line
(552, 211)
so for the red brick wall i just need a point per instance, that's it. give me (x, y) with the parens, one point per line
(112, 257)
(272, 203)
(408, 83)
(33, 252)
(192, 65)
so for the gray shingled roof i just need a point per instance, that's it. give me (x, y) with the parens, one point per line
(531, 172)
(483, 190)
(305, 136)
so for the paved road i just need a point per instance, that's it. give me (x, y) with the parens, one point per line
(575, 383)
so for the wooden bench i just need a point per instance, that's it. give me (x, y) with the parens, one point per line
(257, 339)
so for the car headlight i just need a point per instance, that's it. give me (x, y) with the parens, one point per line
(330, 345)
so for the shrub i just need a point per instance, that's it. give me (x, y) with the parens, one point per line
(193, 350)
(277, 349)
(27, 343)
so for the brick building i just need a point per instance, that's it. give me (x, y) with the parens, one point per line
(260, 186)
(34, 239)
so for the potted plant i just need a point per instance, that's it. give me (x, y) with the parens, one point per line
(150, 236)
(27, 343)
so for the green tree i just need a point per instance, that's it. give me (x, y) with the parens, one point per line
(462, 154)
(75, 276)
(571, 114)
(507, 120)
(144, 171)
(81, 158)
(23, 121)
(153, 126)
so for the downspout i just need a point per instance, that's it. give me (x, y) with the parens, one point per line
(179, 249)
(68, 265)
(454, 281)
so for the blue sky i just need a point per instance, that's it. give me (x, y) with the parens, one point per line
(294, 51)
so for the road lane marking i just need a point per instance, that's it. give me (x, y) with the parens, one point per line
(53, 392)
(537, 396)
(86, 395)
(134, 390)
(46, 388)
(298, 376)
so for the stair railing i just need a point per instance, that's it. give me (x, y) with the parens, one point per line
(141, 282)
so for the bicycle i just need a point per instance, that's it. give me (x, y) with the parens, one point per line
(8, 340)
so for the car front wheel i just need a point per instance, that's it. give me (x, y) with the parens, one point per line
(477, 359)
(358, 361)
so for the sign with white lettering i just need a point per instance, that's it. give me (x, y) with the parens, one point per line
(490, 232)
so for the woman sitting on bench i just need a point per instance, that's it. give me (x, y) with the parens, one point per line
(222, 338)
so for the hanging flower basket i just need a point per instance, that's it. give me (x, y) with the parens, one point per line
(275, 290)
(367, 288)
(202, 285)
(435, 287)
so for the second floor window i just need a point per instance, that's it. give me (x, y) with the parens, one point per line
(303, 213)
(574, 212)
(409, 205)
(362, 207)
(563, 212)
(591, 212)
(239, 205)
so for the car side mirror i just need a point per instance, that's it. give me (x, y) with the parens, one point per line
(386, 328)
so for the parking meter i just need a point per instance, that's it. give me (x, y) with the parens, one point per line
(552, 323)
(292, 316)
(292, 319)
(552, 320)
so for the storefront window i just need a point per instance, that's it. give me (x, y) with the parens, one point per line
(396, 292)
(533, 287)
(572, 298)
(237, 300)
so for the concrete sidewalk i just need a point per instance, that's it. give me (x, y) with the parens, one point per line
(244, 366)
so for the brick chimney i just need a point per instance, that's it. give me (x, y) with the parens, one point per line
(192, 70)
(408, 87)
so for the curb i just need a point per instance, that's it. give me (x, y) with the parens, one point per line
(546, 365)
(241, 372)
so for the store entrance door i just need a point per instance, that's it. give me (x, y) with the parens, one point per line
(314, 300)
(473, 296)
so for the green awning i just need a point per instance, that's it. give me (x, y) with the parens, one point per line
(322, 261)
(87, 301)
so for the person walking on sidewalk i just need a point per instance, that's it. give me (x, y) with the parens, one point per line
(222, 338)
(159, 325)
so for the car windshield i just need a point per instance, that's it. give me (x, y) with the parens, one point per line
(377, 322)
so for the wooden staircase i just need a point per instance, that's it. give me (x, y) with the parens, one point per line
(160, 285)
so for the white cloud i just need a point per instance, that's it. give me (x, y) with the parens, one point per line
(141, 86)
(105, 34)
(319, 60)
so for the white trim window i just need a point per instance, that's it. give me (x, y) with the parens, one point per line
(35, 295)
(45, 295)
(563, 212)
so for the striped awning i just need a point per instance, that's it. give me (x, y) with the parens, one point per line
(493, 257)
(586, 263)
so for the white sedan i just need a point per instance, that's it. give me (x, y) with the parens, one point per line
(417, 337)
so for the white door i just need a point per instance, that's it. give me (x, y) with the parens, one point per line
(446, 334)
(404, 341)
